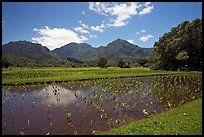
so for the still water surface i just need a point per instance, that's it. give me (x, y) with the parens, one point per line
(94, 105)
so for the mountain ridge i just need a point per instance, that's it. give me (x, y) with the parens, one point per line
(88, 54)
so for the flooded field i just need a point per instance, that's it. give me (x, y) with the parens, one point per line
(86, 107)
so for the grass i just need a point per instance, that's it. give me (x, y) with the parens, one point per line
(12, 76)
(183, 120)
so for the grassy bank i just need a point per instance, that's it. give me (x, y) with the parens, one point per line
(35, 75)
(183, 120)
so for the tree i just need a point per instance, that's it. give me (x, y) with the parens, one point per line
(142, 61)
(123, 64)
(5, 63)
(102, 63)
(74, 60)
(181, 48)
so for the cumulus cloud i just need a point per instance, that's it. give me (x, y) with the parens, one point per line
(145, 38)
(130, 41)
(100, 7)
(81, 30)
(56, 37)
(98, 28)
(120, 13)
(148, 8)
(137, 32)
(123, 12)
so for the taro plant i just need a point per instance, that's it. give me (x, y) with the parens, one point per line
(76, 94)
(68, 114)
(123, 104)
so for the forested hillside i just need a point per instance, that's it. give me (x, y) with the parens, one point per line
(181, 48)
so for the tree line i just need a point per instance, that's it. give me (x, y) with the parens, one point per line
(181, 48)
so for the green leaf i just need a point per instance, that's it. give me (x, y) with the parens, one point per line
(69, 114)
(123, 104)
(169, 104)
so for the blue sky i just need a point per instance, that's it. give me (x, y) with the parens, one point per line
(55, 24)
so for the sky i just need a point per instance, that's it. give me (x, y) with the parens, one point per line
(55, 24)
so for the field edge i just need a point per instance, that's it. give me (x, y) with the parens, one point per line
(183, 120)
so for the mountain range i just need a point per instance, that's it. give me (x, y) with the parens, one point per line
(25, 53)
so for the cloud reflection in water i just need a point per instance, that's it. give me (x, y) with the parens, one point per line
(63, 95)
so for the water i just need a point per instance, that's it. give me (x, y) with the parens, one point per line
(95, 105)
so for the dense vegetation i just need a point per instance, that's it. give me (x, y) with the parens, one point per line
(181, 48)
(55, 74)
(123, 64)
(102, 63)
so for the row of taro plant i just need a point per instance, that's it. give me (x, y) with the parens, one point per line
(116, 100)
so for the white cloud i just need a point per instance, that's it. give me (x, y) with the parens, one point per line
(56, 37)
(147, 4)
(130, 41)
(83, 38)
(83, 25)
(81, 30)
(146, 37)
(146, 10)
(83, 12)
(35, 29)
(100, 7)
(123, 12)
(93, 36)
(119, 13)
(143, 31)
(98, 28)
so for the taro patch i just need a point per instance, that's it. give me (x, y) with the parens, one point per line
(89, 106)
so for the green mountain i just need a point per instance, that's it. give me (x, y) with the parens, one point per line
(123, 49)
(113, 52)
(75, 50)
(25, 53)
